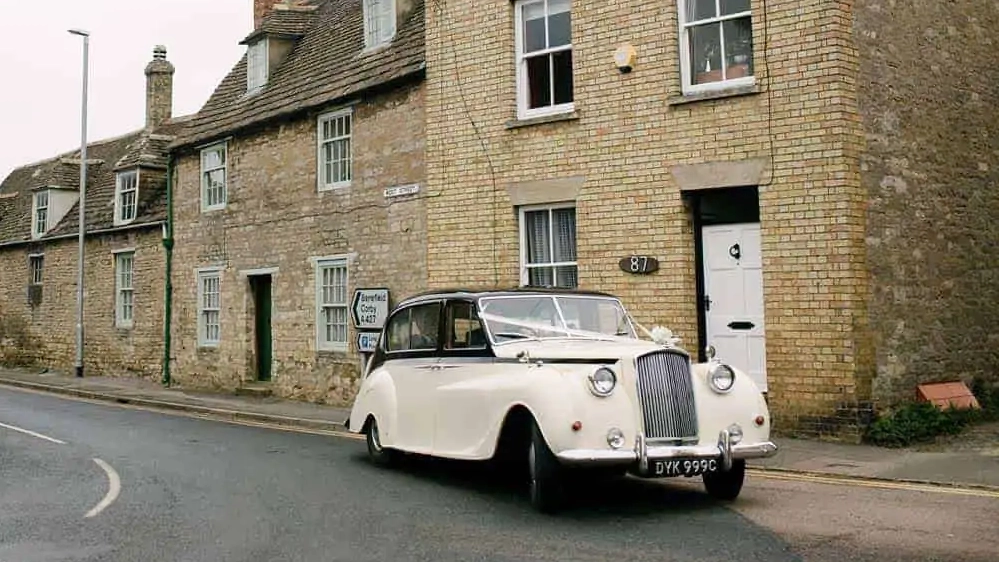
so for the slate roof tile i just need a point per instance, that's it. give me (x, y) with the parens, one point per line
(143, 147)
(326, 65)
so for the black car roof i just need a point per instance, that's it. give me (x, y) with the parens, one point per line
(476, 294)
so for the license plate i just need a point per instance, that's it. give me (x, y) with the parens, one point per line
(683, 467)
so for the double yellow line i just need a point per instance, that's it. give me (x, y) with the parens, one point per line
(862, 482)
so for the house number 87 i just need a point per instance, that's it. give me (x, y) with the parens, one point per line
(639, 265)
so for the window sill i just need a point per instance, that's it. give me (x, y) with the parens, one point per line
(732, 92)
(369, 50)
(333, 188)
(332, 353)
(252, 93)
(544, 119)
(206, 210)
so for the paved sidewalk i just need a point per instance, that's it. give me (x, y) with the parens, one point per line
(970, 460)
(152, 394)
(952, 464)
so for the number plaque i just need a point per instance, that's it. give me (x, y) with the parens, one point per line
(639, 265)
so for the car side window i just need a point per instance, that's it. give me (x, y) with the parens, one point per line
(414, 329)
(424, 327)
(398, 331)
(464, 329)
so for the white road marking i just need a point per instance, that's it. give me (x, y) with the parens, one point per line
(33, 434)
(114, 488)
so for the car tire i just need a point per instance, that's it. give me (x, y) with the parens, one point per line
(726, 486)
(545, 475)
(378, 454)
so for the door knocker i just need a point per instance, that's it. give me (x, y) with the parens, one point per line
(734, 251)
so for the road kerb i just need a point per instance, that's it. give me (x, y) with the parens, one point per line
(237, 415)
(762, 471)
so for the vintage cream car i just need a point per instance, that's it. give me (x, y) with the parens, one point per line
(548, 381)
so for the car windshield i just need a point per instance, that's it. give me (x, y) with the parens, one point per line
(511, 318)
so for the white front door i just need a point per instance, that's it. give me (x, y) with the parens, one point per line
(733, 286)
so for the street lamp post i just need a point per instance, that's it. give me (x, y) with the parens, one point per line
(82, 222)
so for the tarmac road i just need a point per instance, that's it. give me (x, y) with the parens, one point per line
(191, 489)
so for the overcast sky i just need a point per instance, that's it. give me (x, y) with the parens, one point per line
(41, 65)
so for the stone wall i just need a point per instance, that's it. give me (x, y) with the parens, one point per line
(44, 335)
(929, 93)
(276, 218)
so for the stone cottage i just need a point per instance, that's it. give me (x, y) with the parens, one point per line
(299, 181)
(125, 211)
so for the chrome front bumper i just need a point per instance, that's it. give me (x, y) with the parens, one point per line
(643, 452)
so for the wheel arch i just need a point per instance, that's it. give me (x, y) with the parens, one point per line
(515, 430)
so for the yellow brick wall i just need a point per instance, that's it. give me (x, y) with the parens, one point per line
(628, 134)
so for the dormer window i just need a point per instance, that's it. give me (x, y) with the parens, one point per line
(379, 22)
(40, 216)
(256, 65)
(126, 197)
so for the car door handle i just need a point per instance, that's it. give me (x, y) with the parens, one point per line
(433, 367)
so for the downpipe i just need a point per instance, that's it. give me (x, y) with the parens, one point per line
(168, 272)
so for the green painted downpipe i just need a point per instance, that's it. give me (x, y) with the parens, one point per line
(168, 296)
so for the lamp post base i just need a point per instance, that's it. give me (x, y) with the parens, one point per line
(79, 371)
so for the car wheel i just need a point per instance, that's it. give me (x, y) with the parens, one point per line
(378, 454)
(726, 485)
(546, 484)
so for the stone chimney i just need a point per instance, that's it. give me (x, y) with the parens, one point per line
(159, 88)
(260, 10)
(263, 7)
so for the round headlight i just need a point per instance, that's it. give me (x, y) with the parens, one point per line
(603, 381)
(721, 377)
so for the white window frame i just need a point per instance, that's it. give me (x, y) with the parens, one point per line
(322, 263)
(224, 197)
(35, 208)
(331, 117)
(522, 86)
(204, 274)
(36, 275)
(379, 23)
(121, 289)
(522, 226)
(686, 72)
(119, 195)
(257, 62)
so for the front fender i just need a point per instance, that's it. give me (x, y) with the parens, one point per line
(472, 412)
(741, 405)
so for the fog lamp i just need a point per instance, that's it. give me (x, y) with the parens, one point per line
(615, 438)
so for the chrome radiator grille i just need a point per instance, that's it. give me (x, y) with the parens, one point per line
(666, 395)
